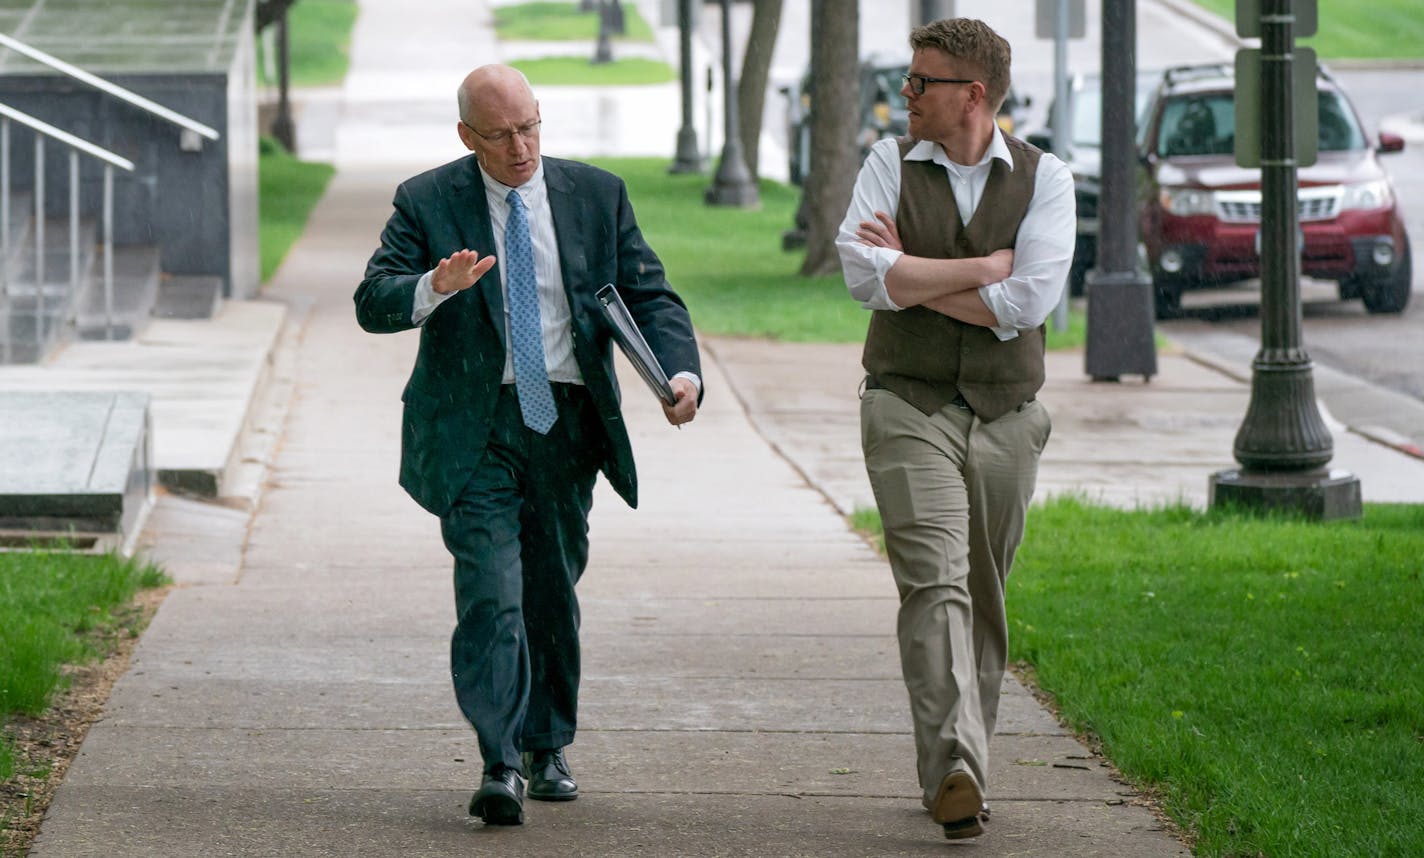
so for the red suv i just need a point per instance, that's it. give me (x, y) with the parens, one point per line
(1201, 219)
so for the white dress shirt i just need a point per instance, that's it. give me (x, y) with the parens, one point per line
(1043, 249)
(554, 314)
(553, 303)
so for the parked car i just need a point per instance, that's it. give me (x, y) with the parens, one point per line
(1201, 216)
(881, 107)
(1084, 153)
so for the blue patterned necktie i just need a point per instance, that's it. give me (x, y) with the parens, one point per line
(526, 334)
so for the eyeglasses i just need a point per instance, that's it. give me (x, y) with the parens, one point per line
(917, 81)
(502, 138)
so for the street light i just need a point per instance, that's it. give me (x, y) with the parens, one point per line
(603, 51)
(733, 185)
(689, 157)
(1120, 340)
(1283, 445)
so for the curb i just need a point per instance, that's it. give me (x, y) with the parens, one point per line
(1378, 434)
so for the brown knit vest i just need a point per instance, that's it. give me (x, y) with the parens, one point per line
(925, 357)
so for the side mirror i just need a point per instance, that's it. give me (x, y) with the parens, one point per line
(1390, 142)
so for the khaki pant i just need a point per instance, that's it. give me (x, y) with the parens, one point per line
(953, 492)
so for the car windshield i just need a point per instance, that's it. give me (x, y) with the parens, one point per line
(886, 83)
(1088, 113)
(1205, 124)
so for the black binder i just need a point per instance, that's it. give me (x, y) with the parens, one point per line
(630, 340)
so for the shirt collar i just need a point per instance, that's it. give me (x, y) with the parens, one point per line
(929, 150)
(526, 191)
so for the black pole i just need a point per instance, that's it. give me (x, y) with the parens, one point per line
(733, 185)
(1283, 444)
(603, 50)
(932, 10)
(282, 127)
(689, 157)
(1120, 340)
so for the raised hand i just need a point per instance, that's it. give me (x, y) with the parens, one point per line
(459, 271)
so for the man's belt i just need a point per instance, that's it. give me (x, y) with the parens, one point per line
(872, 383)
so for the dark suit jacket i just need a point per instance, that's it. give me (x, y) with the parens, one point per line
(450, 398)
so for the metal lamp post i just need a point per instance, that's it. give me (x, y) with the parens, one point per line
(1120, 338)
(689, 157)
(1283, 445)
(603, 50)
(733, 184)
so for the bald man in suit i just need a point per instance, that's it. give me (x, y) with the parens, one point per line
(512, 408)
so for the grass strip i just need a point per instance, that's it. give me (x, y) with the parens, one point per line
(560, 22)
(1391, 29)
(1260, 675)
(51, 603)
(578, 71)
(288, 189)
(319, 34)
(728, 265)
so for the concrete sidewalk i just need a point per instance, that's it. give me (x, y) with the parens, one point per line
(741, 694)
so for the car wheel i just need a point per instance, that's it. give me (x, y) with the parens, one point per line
(1167, 298)
(1390, 294)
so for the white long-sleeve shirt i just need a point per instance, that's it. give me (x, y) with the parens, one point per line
(554, 315)
(1043, 250)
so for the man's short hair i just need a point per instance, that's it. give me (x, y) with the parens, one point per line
(973, 41)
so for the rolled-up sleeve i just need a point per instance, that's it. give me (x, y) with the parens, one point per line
(877, 188)
(1043, 253)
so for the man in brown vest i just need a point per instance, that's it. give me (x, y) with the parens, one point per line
(959, 239)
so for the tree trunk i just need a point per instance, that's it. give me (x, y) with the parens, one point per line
(756, 68)
(835, 100)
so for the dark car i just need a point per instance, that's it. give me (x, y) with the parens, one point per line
(881, 108)
(1201, 216)
(1084, 154)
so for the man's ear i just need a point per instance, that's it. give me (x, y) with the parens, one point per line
(977, 95)
(466, 135)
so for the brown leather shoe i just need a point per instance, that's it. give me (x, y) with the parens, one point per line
(549, 777)
(958, 805)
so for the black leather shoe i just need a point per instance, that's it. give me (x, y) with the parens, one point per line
(500, 799)
(549, 778)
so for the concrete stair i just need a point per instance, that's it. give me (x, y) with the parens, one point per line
(74, 467)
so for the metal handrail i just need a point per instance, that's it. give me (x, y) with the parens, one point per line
(77, 146)
(113, 89)
(66, 138)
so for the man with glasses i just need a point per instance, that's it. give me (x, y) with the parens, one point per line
(959, 238)
(512, 408)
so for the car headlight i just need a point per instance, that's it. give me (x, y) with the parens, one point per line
(1367, 195)
(1184, 202)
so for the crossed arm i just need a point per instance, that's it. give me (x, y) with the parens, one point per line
(947, 286)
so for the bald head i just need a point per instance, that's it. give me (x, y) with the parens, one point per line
(499, 122)
(490, 86)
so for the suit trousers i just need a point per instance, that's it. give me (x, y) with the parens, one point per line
(953, 492)
(519, 534)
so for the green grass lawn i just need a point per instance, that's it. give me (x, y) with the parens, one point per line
(287, 191)
(320, 41)
(1381, 29)
(558, 22)
(728, 264)
(51, 604)
(578, 71)
(1262, 676)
